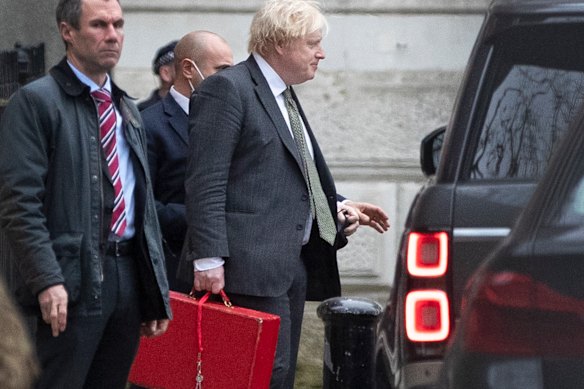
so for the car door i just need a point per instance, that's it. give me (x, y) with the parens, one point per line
(532, 91)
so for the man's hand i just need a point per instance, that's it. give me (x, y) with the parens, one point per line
(53, 302)
(154, 328)
(212, 280)
(371, 215)
(348, 218)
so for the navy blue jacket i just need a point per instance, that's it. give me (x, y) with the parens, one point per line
(167, 132)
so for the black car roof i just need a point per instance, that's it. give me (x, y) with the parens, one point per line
(505, 14)
(536, 6)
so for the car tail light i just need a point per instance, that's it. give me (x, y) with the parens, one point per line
(427, 315)
(427, 254)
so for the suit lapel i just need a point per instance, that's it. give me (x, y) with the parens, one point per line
(266, 97)
(177, 118)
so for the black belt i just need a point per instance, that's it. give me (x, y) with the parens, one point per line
(120, 248)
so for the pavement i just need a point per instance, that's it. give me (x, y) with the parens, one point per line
(309, 368)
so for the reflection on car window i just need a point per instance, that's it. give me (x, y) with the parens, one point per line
(528, 112)
(577, 202)
(538, 87)
(572, 212)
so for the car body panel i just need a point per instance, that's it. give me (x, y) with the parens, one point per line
(523, 314)
(522, 87)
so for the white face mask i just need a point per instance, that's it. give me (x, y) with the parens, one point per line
(196, 68)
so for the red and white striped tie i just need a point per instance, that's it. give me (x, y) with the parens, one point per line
(107, 127)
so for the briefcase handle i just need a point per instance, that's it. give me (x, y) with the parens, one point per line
(203, 300)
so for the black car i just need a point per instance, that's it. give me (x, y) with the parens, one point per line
(522, 322)
(522, 89)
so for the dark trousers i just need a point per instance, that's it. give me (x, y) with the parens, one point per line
(172, 261)
(290, 308)
(95, 351)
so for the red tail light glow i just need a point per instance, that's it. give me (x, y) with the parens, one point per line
(427, 316)
(427, 254)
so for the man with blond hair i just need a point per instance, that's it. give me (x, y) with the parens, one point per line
(264, 221)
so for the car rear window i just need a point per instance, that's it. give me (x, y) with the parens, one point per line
(534, 88)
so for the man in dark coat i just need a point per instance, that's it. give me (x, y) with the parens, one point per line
(77, 209)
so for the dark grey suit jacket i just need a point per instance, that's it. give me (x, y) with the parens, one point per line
(247, 200)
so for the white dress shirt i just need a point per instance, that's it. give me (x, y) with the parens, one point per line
(180, 99)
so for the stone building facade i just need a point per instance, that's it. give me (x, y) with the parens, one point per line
(390, 77)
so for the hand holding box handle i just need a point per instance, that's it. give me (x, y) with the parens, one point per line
(202, 301)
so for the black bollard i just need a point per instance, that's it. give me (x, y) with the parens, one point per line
(349, 342)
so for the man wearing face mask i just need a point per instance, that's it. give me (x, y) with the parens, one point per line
(197, 55)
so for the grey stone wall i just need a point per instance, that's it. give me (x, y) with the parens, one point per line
(30, 23)
(390, 77)
(353, 6)
(369, 125)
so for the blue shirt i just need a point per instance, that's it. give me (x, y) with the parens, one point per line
(126, 169)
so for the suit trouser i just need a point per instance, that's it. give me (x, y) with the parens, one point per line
(95, 351)
(290, 308)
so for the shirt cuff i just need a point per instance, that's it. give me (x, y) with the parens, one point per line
(208, 263)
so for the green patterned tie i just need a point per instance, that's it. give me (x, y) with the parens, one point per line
(318, 204)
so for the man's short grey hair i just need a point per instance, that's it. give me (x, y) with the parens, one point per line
(279, 22)
(69, 11)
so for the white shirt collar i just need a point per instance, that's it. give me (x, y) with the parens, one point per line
(89, 82)
(277, 85)
(180, 99)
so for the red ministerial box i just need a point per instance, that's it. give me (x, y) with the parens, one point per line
(238, 348)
